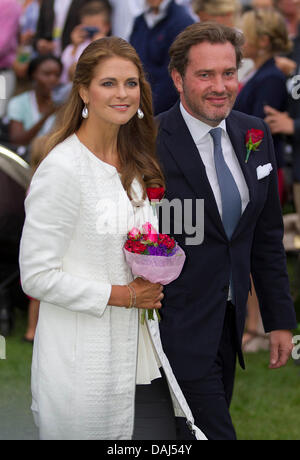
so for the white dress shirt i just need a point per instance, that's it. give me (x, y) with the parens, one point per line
(204, 142)
(152, 18)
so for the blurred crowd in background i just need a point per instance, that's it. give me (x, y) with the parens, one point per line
(40, 43)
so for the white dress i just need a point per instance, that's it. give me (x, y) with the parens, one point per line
(85, 352)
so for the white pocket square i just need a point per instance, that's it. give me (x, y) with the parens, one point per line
(263, 171)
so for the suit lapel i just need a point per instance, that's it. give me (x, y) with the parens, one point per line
(185, 153)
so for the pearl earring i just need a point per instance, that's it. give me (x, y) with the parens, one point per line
(140, 114)
(85, 112)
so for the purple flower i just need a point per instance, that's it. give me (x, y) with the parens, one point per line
(157, 251)
(173, 251)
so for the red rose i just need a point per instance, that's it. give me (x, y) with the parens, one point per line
(135, 246)
(253, 139)
(155, 193)
(166, 241)
(255, 134)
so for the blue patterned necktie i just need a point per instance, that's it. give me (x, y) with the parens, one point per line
(230, 195)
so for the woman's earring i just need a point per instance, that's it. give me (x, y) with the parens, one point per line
(85, 112)
(140, 114)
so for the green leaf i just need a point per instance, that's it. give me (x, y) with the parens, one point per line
(150, 315)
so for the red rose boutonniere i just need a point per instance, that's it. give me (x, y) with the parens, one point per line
(254, 138)
(155, 195)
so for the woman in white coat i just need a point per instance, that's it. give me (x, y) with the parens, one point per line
(90, 349)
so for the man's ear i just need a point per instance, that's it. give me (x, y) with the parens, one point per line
(177, 80)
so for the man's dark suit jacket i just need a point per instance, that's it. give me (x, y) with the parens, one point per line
(194, 304)
(46, 21)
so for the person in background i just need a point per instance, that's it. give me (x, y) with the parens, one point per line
(32, 113)
(28, 25)
(221, 11)
(188, 4)
(288, 122)
(123, 16)
(152, 35)
(94, 23)
(290, 11)
(56, 21)
(266, 36)
(10, 12)
(262, 4)
(29, 20)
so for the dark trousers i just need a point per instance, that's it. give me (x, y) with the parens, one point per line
(154, 414)
(210, 397)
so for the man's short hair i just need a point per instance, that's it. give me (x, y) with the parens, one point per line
(203, 32)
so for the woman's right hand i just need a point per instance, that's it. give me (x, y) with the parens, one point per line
(148, 295)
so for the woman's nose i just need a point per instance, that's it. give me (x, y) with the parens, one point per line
(121, 91)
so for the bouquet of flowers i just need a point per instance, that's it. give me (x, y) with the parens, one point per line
(153, 256)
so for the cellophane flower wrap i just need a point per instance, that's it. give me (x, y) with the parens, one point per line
(153, 256)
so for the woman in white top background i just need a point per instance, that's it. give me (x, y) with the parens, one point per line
(90, 351)
(32, 113)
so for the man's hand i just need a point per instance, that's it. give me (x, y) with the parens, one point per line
(287, 66)
(281, 347)
(279, 122)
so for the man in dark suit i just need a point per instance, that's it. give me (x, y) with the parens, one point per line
(202, 148)
(152, 35)
(56, 21)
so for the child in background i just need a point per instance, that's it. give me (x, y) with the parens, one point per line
(95, 23)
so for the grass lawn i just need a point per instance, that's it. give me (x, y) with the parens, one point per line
(16, 421)
(266, 403)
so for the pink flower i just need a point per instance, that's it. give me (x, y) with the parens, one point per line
(134, 233)
(150, 234)
(148, 228)
(153, 237)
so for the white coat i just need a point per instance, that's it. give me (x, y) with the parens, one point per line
(85, 352)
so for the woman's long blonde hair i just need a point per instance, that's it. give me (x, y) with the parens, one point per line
(137, 138)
